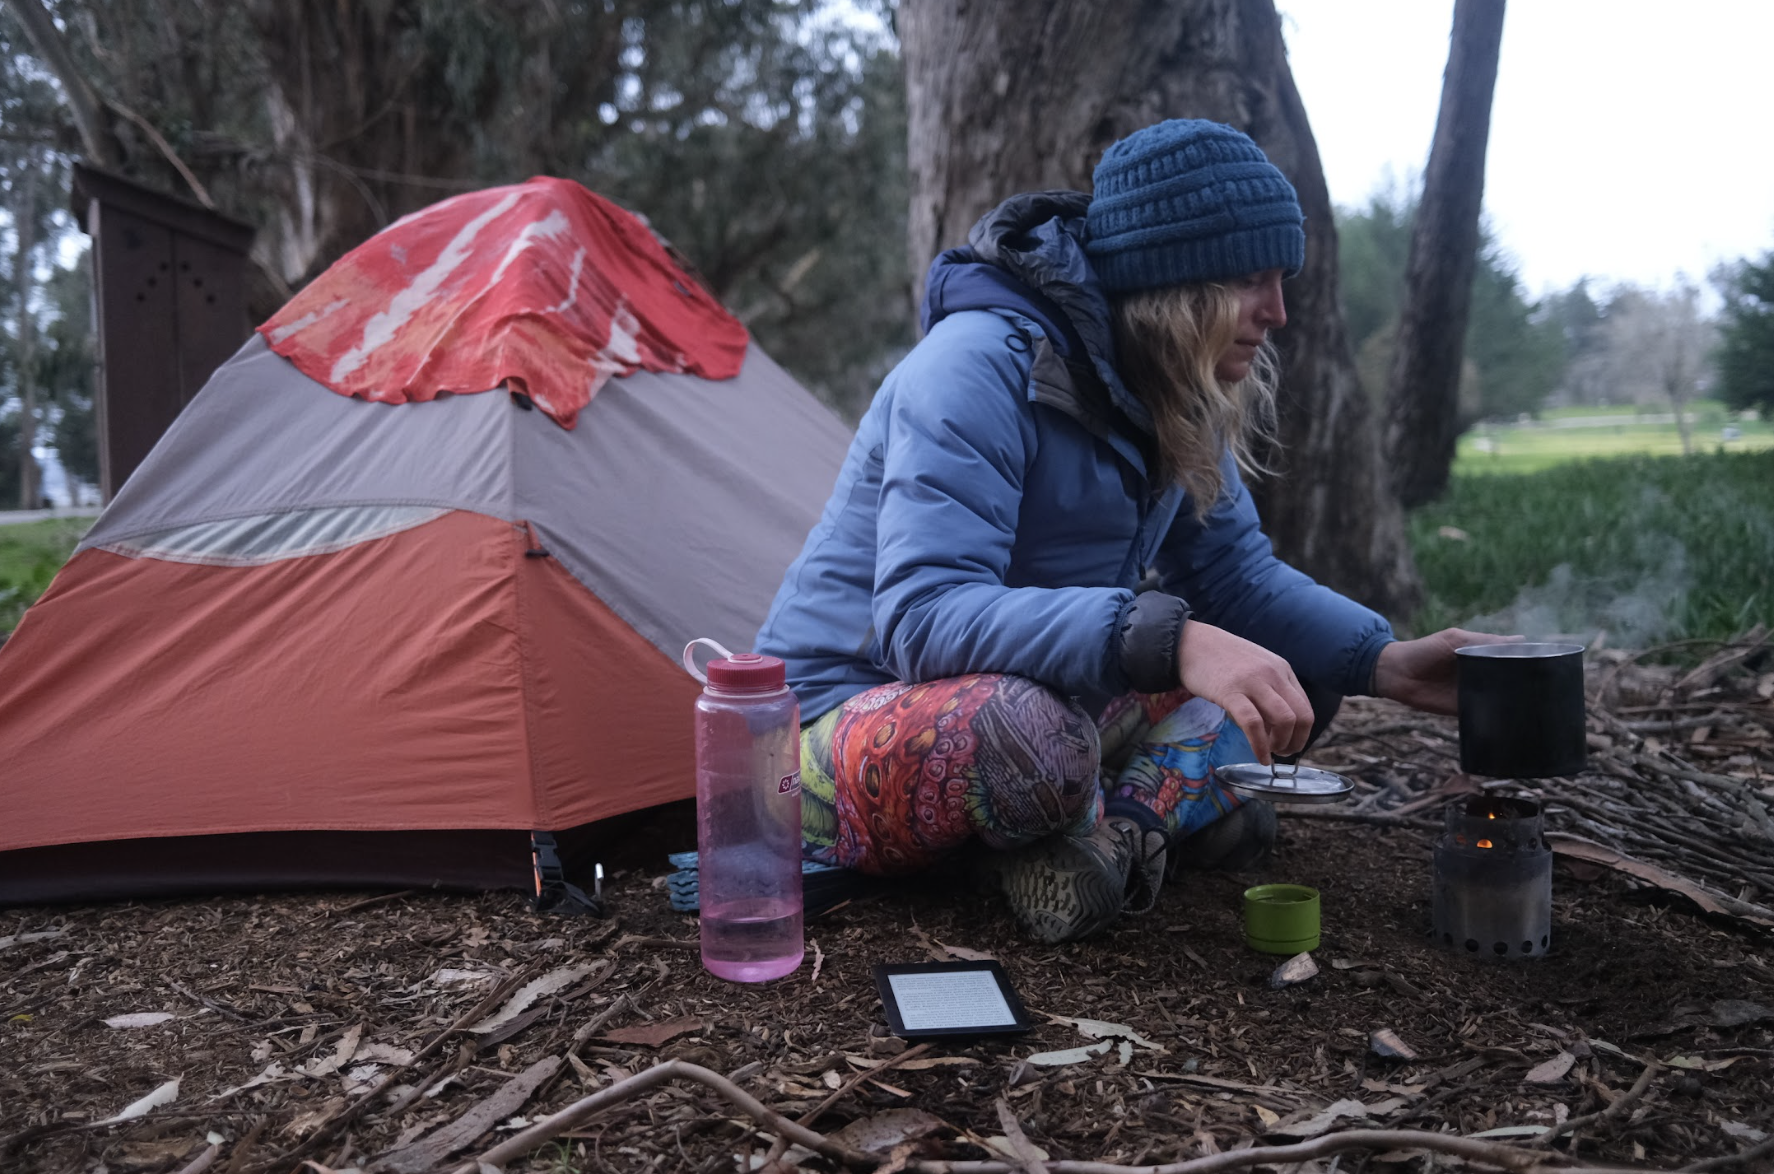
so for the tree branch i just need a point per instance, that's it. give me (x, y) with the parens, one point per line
(83, 100)
(1516, 1159)
(165, 148)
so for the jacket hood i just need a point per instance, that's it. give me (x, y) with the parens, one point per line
(1027, 256)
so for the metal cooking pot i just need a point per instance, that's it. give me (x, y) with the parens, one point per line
(1521, 710)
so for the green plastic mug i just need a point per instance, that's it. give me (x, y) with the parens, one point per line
(1281, 919)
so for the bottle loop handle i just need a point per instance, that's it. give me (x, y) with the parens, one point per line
(690, 656)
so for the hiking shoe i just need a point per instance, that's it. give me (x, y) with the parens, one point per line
(1065, 887)
(1240, 839)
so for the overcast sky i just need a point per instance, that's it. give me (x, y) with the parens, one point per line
(1629, 140)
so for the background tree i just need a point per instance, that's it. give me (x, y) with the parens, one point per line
(1422, 391)
(1513, 350)
(1746, 353)
(760, 136)
(1002, 98)
(65, 360)
(32, 182)
(1658, 349)
(1578, 318)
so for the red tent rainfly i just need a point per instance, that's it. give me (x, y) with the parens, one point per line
(541, 287)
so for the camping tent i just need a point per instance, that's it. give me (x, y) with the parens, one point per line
(349, 624)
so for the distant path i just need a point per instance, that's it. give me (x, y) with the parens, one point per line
(14, 517)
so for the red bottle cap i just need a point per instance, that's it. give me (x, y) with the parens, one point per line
(748, 672)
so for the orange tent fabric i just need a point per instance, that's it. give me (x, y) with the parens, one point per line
(478, 663)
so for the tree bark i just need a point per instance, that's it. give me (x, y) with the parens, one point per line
(84, 102)
(1423, 389)
(1007, 98)
(24, 219)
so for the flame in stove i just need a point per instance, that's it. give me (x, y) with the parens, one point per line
(1490, 815)
(1485, 843)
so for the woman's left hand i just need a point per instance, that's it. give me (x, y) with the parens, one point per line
(1420, 672)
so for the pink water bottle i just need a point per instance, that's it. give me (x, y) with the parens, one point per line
(748, 816)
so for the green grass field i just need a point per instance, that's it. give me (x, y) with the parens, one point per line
(1645, 548)
(1569, 434)
(30, 555)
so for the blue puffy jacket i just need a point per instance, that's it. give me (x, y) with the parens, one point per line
(995, 513)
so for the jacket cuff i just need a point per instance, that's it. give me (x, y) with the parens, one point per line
(1366, 667)
(1151, 631)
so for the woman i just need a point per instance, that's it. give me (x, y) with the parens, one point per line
(962, 627)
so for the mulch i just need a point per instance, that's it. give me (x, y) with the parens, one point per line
(413, 1031)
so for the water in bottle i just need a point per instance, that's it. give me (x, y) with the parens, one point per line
(748, 818)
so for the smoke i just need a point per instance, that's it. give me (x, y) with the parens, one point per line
(1630, 610)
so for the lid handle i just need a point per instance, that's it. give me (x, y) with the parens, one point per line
(690, 656)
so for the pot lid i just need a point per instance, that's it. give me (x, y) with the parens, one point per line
(1283, 783)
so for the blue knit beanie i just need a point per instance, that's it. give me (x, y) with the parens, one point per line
(1190, 200)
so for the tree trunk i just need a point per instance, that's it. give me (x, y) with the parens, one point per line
(1424, 387)
(1007, 98)
(24, 219)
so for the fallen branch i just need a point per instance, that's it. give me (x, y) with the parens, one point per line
(559, 1123)
(1759, 1150)
(813, 1114)
(1619, 1105)
(1516, 1159)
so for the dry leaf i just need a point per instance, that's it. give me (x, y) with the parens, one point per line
(166, 1094)
(963, 954)
(155, 1153)
(1565, 845)
(1295, 970)
(1323, 1121)
(1730, 1013)
(431, 1150)
(886, 1129)
(450, 976)
(20, 939)
(347, 1048)
(550, 983)
(653, 1035)
(1004, 1146)
(1698, 1064)
(928, 1062)
(1267, 1116)
(307, 1122)
(384, 1054)
(1070, 1055)
(1385, 1042)
(361, 1079)
(139, 1019)
(1552, 1071)
(275, 1071)
(1102, 1029)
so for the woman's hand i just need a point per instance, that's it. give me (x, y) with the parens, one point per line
(1256, 688)
(1421, 672)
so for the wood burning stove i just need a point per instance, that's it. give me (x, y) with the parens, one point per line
(1493, 879)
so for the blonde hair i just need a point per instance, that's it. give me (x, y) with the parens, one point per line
(1168, 342)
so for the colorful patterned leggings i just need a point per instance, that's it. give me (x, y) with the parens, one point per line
(900, 776)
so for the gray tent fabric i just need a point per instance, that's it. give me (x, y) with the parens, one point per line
(265, 538)
(678, 500)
